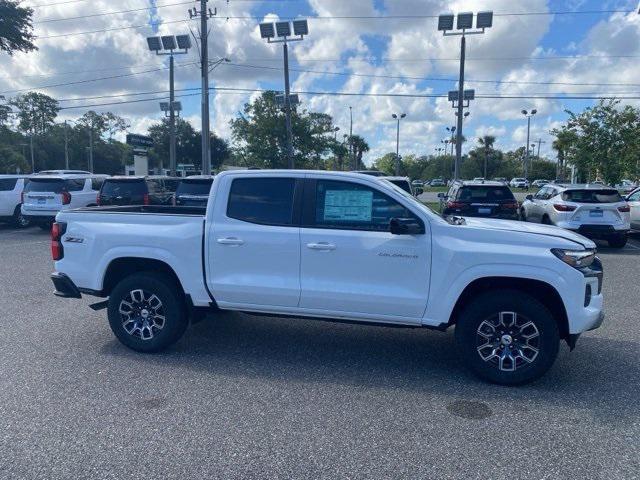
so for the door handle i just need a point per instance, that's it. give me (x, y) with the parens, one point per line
(324, 246)
(233, 241)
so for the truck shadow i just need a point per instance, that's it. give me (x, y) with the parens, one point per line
(601, 376)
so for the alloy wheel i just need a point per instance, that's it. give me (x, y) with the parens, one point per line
(142, 314)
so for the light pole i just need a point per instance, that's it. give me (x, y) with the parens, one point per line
(398, 118)
(352, 153)
(464, 24)
(526, 159)
(170, 44)
(283, 31)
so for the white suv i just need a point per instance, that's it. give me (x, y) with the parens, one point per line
(634, 203)
(519, 183)
(46, 195)
(11, 187)
(591, 210)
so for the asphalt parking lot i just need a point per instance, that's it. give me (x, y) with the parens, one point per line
(254, 397)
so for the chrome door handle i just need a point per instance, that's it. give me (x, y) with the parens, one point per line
(233, 241)
(321, 246)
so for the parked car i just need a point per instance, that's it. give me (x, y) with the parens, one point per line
(334, 246)
(403, 182)
(478, 179)
(46, 195)
(591, 210)
(540, 183)
(519, 182)
(634, 204)
(500, 179)
(481, 199)
(137, 190)
(193, 191)
(626, 186)
(417, 183)
(438, 182)
(11, 188)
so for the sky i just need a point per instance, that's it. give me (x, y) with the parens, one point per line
(387, 54)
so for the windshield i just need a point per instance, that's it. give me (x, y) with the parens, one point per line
(403, 184)
(123, 188)
(194, 187)
(414, 201)
(592, 196)
(481, 193)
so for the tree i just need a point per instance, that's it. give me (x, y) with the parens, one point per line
(12, 161)
(260, 139)
(359, 148)
(115, 124)
(36, 112)
(16, 28)
(563, 145)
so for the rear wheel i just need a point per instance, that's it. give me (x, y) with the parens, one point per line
(546, 220)
(618, 241)
(507, 337)
(147, 312)
(19, 220)
(523, 215)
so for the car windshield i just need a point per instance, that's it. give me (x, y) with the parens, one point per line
(194, 187)
(52, 185)
(483, 192)
(403, 184)
(592, 196)
(123, 188)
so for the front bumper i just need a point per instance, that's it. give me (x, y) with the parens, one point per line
(64, 286)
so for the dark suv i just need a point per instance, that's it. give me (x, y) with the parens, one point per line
(151, 190)
(193, 191)
(481, 199)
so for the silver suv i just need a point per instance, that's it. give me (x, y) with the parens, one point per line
(594, 211)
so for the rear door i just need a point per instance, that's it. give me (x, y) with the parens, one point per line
(595, 207)
(254, 249)
(351, 264)
(9, 195)
(44, 195)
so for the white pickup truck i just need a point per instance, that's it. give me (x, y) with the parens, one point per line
(340, 247)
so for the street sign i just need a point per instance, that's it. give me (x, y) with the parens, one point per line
(139, 140)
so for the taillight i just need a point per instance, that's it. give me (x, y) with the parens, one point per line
(456, 205)
(145, 199)
(510, 206)
(57, 231)
(624, 209)
(66, 198)
(564, 208)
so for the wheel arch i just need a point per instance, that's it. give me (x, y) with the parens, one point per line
(122, 267)
(541, 291)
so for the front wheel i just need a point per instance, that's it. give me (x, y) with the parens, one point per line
(507, 337)
(619, 241)
(147, 312)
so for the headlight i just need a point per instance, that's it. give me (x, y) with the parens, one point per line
(575, 258)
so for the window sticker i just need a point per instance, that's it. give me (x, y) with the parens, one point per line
(348, 205)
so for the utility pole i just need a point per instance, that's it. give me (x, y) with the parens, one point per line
(540, 142)
(486, 160)
(172, 119)
(398, 118)
(66, 145)
(91, 148)
(205, 14)
(463, 48)
(287, 106)
(352, 152)
(33, 157)
(526, 158)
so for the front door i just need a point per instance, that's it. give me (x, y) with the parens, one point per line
(254, 251)
(351, 263)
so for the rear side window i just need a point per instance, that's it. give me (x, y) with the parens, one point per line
(194, 187)
(74, 185)
(7, 184)
(45, 185)
(123, 188)
(266, 201)
(484, 193)
(592, 196)
(96, 183)
(352, 206)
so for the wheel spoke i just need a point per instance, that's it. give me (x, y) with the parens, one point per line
(137, 296)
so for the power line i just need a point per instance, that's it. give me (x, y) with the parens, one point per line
(93, 15)
(105, 30)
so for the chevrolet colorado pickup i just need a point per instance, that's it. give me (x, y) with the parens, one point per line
(340, 247)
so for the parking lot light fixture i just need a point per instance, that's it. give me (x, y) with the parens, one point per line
(528, 114)
(398, 117)
(281, 33)
(169, 45)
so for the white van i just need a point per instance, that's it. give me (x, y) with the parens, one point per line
(11, 187)
(46, 195)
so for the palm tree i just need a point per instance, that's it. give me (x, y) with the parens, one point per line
(562, 144)
(360, 147)
(487, 142)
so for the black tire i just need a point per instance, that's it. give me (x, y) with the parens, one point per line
(523, 215)
(500, 361)
(130, 328)
(19, 220)
(546, 220)
(618, 241)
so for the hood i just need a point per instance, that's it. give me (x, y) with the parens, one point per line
(533, 228)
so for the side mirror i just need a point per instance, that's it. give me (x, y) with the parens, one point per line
(406, 226)
(529, 197)
(442, 195)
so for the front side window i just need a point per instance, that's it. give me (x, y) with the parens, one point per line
(265, 201)
(7, 184)
(351, 206)
(635, 197)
